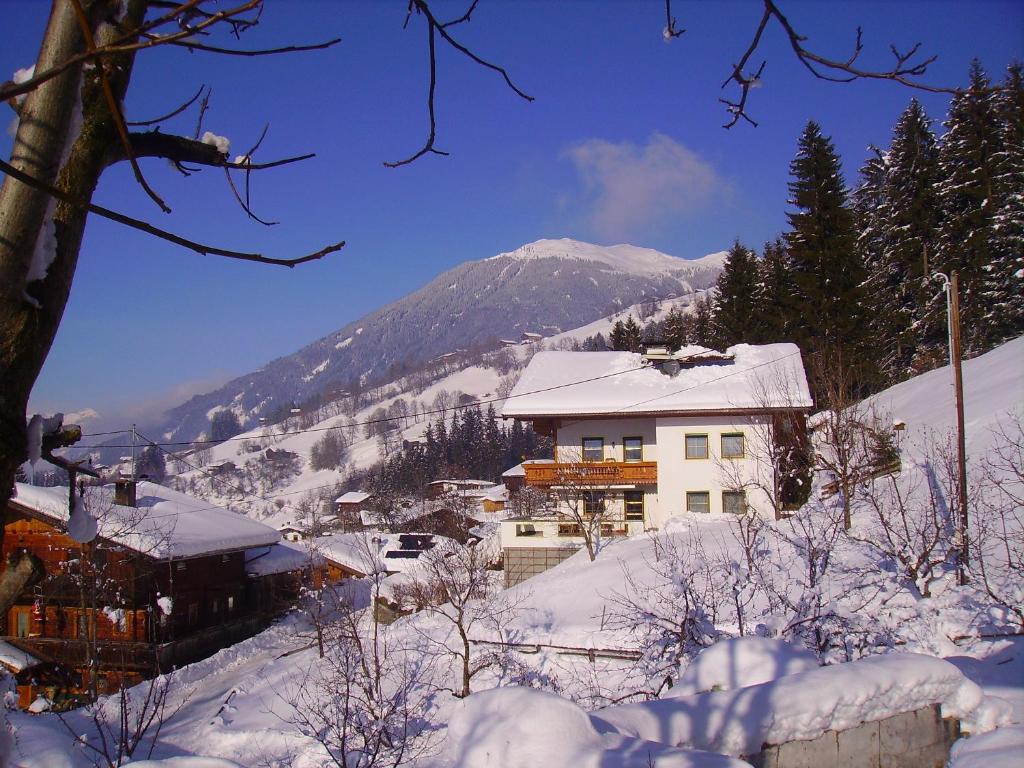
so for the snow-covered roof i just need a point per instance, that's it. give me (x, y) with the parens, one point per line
(283, 557)
(613, 383)
(519, 470)
(497, 493)
(352, 497)
(164, 524)
(16, 659)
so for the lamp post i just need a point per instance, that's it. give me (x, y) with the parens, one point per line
(950, 286)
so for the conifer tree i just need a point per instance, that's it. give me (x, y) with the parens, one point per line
(967, 165)
(734, 319)
(774, 295)
(701, 331)
(905, 225)
(626, 336)
(1003, 288)
(827, 272)
(674, 329)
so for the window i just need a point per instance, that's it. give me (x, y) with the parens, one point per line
(24, 623)
(569, 529)
(593, 449)
(193, 614)
(696, 446)
(698, 501)
(734, 502)
(634, 504)
(231, 603)
(528, 529)
(633, 448)
(733, 446)
(593, 503)
(180, 566)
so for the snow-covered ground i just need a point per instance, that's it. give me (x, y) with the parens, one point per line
(547, 703)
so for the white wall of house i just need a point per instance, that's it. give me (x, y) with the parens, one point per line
(571, 434)
(715, 474)
(664, 441)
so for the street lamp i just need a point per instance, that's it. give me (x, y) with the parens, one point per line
(950, 286)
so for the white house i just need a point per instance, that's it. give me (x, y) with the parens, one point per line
(642, 438)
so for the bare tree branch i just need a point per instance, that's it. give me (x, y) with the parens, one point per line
(905, 70)
(114, 107)
(435, 27)
(128, 221)
(671, 30)
(180, 149)
(169, 115)
(194, 46)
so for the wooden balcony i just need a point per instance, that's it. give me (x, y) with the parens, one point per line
(595, 475)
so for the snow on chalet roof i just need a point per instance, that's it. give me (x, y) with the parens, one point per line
(747, 377)
(283, 557)
(519, 470)
(352, 497)
(165, 524)
(16, 659)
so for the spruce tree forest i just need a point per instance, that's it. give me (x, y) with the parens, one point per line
(852, 279)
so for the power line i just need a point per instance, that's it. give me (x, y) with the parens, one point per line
(384, 419)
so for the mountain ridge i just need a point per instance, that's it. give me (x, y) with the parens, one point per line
(546, 287)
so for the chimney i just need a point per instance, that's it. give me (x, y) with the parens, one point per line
(659, 355)
(125, 491)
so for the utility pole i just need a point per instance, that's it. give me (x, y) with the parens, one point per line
(951, 285)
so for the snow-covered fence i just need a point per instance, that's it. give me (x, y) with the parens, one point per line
(566, 650)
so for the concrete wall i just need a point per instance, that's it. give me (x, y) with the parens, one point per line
(523, 562)
(919, 739)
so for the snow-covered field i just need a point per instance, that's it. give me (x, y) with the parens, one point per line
(547, 703)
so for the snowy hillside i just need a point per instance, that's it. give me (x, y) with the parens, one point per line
(545, 287)
(481, 381)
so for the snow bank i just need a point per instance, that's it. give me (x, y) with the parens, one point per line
(999, 749)
(741, 662)
(800, 707)
(525, 728)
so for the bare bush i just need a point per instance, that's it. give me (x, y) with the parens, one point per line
(998, 540)
(456, 585)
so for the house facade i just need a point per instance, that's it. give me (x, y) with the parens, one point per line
(164, 583)
(639, 439)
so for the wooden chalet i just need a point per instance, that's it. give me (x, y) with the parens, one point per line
(163, 584)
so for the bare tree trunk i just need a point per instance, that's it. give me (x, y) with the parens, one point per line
(29, 217)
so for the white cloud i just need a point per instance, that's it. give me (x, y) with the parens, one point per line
(631, 189)
(86, 414)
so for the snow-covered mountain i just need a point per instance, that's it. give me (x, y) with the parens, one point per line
(545, 287)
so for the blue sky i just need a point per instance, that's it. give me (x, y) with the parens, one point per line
(623, 144)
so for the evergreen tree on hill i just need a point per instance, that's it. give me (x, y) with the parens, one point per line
(734, 319)
(675, 329)
(826, 269)
(1003, 288)
(626, 336)
(701, 332)
(772, 304)
(906, 224)
(967, 164)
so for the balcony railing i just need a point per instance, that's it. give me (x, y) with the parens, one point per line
(592, 474)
